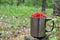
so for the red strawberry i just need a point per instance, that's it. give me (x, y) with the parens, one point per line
(38, 15)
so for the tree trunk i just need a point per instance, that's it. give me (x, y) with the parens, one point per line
(43, 5)
(56, 8)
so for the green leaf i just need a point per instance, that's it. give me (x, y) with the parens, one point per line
(54, 38)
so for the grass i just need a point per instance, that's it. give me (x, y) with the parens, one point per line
(17, 11)
(20, 10)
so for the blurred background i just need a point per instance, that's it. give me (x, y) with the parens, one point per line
(15, 18)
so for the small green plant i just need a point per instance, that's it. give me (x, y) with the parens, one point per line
(1, 28)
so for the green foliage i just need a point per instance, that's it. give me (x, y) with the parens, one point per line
(1, 28)
(54, 38)
(17, 11)
(50, 3)
(28, 2)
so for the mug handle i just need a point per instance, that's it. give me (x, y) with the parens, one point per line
(48, 19)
